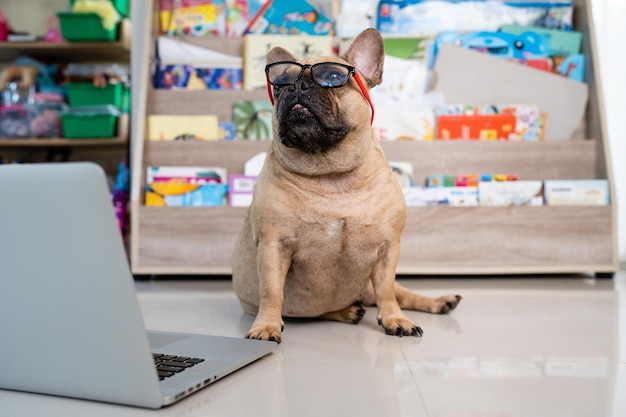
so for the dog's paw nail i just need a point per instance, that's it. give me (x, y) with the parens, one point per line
(399, 331)
(417, 331)
(458, 297)
(380, 321)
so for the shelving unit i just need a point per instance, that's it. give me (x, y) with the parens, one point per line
(436, 240)
(106, 151)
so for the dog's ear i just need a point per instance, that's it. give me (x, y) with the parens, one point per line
(278, 54)
(367, 54)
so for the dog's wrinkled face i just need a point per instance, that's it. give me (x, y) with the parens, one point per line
(308, 117)
(314, 119)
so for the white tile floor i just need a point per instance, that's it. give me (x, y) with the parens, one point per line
(514, 347)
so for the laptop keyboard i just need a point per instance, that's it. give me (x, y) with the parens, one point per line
(169, 365)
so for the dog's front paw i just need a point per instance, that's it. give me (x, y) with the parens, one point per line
(266, 332)
(400, 326)
(447, 303)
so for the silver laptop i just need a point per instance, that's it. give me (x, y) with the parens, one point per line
(70, 323)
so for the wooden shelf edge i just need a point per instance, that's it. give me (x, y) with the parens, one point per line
(431, 271)
(122, 43)
(412, 210)
(178, 270)
(61, 142)
(120, 139)
(491, 270)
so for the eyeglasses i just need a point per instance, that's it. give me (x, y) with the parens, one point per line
(325, 74)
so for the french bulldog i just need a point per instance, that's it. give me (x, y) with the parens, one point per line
(322, 234)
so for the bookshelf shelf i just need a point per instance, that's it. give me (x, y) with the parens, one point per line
(76, 51)
(120, 140)
(436, 240)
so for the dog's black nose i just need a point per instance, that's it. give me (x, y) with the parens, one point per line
(303, 84)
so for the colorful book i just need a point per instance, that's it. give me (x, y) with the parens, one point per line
(189, 175)
(577, 192)
(239, 14)
(252, 119)
(515, 122)
(510, 193)
(193, 17)
(475, 127)
(410, 47)
(175, 127)
(562, 42)
(186, 186)
(256, 48)
(292, 17)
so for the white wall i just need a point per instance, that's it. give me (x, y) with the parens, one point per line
(30, 16)
(610, 19)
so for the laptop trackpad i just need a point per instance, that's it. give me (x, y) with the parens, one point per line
(158, 340)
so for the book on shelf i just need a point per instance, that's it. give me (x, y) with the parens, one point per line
(514, 122)
(290, 16)
(252, 119)
(256, 48)
(180, 127)
(174, 186)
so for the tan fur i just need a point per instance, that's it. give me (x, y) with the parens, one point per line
(323, 231)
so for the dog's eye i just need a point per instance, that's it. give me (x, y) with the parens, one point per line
(329, 75)
(284, 73)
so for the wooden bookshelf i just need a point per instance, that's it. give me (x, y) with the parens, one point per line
(436, 240)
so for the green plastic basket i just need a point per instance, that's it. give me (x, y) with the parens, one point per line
(89, 122)
(82, 27)
(85, 94)
(125, 106)
(122, 6)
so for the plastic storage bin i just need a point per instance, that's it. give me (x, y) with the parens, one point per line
(85, 94)
(14, 122)
(90, 122)
(79, 27)
(122, 6)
